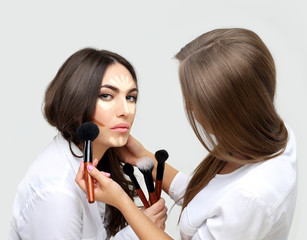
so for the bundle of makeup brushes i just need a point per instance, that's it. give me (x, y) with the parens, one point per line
(146, 165)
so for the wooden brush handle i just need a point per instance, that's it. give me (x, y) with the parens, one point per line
(152, 198)
(158, 189)
(89, 184)
(143, 198)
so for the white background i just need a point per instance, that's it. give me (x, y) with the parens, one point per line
(38, 36)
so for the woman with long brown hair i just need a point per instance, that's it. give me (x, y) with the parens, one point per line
(245, 188)
(91, 86)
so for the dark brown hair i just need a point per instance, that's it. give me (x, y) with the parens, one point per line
(70, 100)
(228, 81)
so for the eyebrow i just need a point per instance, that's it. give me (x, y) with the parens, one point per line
(115, 89)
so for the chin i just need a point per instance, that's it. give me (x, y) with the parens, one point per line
(118, 142)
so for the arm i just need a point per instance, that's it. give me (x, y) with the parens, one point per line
(134, 150)
(50, 214)
(111, 193)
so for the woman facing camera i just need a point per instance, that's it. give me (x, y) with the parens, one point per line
(91, 86)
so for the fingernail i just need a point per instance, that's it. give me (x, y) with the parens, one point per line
(107, 174)
(89, 167)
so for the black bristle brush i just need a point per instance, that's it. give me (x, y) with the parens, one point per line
(161, 157)
(146, 165)
(128, 170)
(87, 132)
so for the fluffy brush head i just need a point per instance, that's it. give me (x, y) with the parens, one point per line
(87, 131)
(145, 164)
(161, 155)
(128, 169)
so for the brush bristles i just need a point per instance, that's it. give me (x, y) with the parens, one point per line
(87, 131)
(128, 169)
(161, 155)
(145, 164)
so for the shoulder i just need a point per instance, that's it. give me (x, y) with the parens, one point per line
(273, 180)
(51, 174)
(267, 190)
(52, 163)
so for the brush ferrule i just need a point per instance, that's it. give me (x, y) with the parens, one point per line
(149, 181)
(160, 170)
(134, 181)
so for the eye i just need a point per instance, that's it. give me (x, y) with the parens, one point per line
(105, 96)
(131, 98)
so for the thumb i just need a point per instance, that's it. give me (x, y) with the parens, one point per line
(94, 172)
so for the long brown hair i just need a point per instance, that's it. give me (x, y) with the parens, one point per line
(228, 81)
(70, 100)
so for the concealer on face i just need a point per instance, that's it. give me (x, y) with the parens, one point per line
(115, 107)
(124, 83)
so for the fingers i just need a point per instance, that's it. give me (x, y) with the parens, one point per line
(97, 175)
(155, 208)
(95, 162)
(157, 213)
(160, 204)
(93, 171)
(80, 175)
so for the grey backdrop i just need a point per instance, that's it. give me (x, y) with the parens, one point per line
(38, 36)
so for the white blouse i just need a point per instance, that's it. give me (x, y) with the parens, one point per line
(50, 205)
(256, 201)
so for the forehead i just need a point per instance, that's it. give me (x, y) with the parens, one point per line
(118, 74)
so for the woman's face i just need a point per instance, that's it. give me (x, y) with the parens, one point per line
(115, 106)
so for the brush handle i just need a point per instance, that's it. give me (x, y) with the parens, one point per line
(158, 188)
(152, 198)
(142, 197)
(89, 184)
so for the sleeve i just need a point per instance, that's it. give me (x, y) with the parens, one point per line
(125, 234)
(178, 187)
(51, 215)
(239, 215)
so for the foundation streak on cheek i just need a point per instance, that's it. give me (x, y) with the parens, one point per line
(106, 105)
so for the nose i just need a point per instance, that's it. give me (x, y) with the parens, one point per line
(123, 108)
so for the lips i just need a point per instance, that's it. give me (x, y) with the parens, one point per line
(121, 127)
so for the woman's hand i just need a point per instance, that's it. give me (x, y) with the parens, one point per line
(105, 189)
(108, 191)
(133, 151)
(157, 213)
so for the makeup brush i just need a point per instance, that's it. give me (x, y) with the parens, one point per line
(87, 132)
(128, 170)
(161, 157)
(145, 165)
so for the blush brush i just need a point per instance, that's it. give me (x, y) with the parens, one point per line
(161, 156)
(128, 170)
(87, 132)
(146, 165)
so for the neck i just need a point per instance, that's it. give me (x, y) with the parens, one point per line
(98, 150)
(230, 167)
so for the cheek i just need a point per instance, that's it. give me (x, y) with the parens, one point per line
(103, 105)
(103, 113)
(132, 109)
